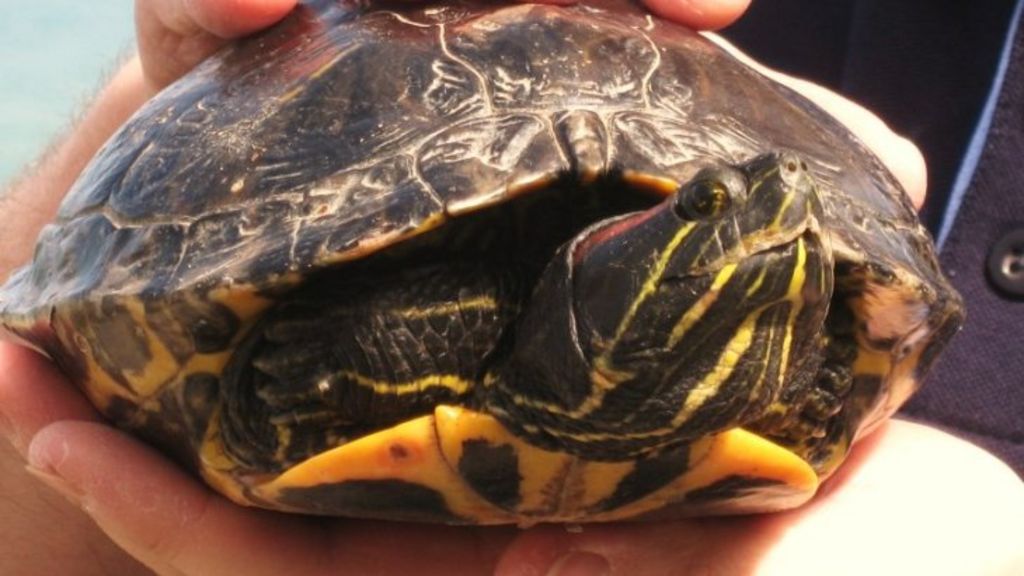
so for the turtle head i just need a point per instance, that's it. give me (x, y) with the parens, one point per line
(683, 320)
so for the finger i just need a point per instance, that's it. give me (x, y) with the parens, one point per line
(160, 515)
(34, 394)
(175, 35)
(221, 18)
(899, 154)
(699, 14)
(172, 523)
(234, 18)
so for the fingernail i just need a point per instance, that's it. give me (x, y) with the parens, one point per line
(58, 484)
(580, 564)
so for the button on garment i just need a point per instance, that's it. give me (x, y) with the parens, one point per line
(1006, 264)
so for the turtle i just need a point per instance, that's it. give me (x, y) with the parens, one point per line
(488, 263)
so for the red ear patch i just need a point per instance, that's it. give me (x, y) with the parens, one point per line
(611, 228)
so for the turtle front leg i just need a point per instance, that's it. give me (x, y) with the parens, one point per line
(806, 417)
(348, 355)
(884, 329)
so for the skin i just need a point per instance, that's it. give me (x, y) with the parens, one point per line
(911, 500)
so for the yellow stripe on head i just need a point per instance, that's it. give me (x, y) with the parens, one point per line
(650, 285)
(696, 312)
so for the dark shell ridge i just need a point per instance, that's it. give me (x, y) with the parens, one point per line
(297, 149)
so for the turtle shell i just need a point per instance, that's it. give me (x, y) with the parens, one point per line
(350, 129)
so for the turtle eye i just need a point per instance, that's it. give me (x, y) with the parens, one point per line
(702, 198)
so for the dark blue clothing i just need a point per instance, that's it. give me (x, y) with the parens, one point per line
(928, 67)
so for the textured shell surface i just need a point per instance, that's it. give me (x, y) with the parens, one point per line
(299, 148)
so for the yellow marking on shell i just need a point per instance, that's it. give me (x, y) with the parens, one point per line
(554, 486)
(648, 182)
(371, 244)
(536, 466)
(452, 382)
(872, 362)
(449, 308)
(696, 312)
(408, 452)
(426, 451)
(212, 454)
(100, 387)
(244, 302)
(601, 480)
(210, 363)
(216, 467)
(161, 367)
(730, 454)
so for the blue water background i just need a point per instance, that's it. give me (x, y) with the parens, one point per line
(54, 55)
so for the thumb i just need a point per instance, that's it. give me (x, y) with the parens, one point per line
(156, 512)
(699, 14)
(175, 35)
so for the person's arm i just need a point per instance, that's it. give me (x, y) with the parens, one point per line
(35, 194)
(173, 36)
(41, 532)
